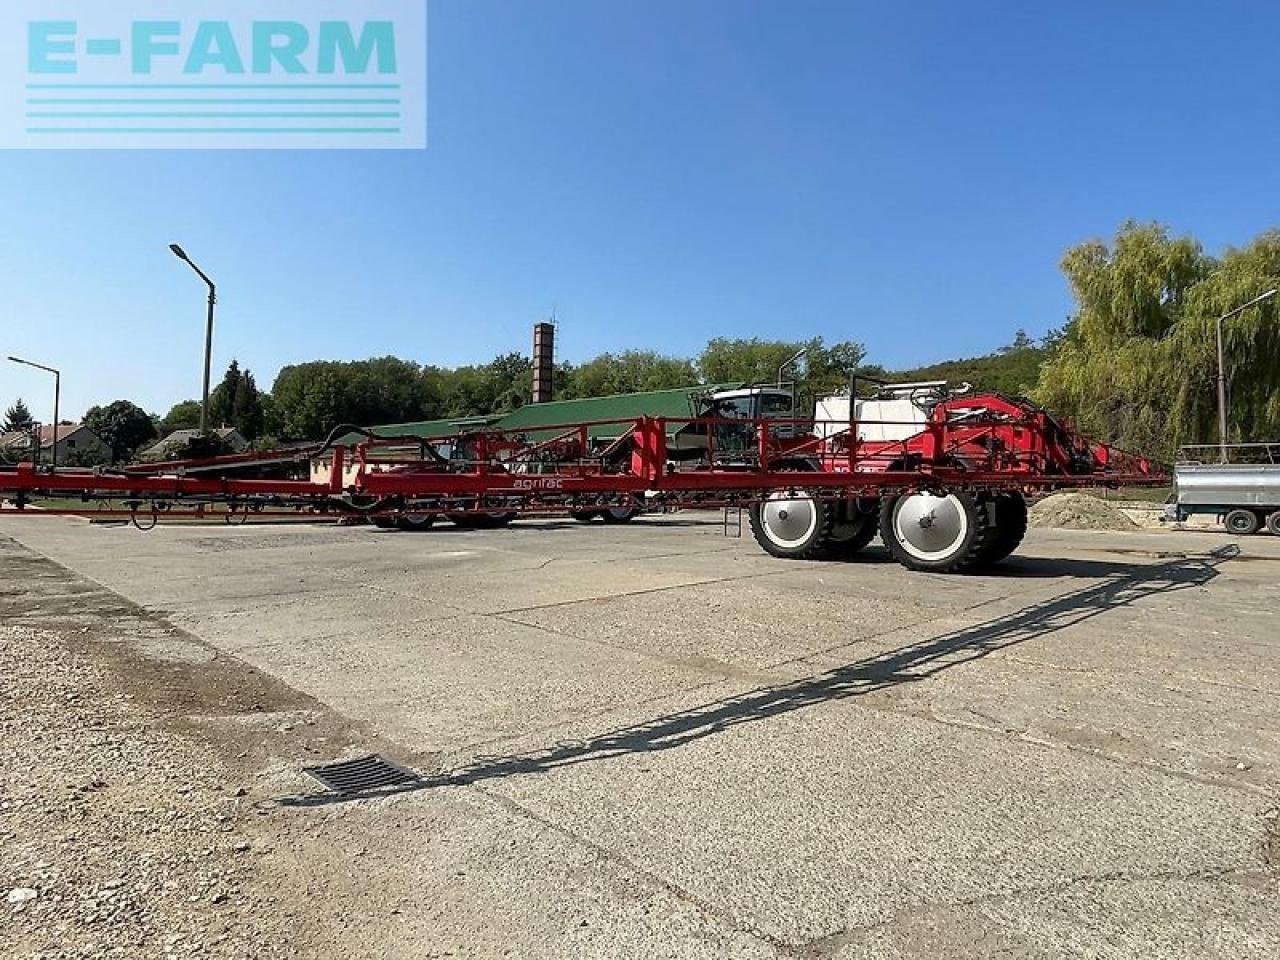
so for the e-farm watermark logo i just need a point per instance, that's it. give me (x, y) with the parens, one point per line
(318, 74)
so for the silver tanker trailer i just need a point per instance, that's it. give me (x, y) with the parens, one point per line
(1245, 496)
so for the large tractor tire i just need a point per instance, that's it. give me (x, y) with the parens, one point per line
(946, 534)
(792, 526)
(416, 522)
(620, 514)
(854, 526)
(1010, 527)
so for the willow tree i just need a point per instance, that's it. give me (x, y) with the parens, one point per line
(1137, 366)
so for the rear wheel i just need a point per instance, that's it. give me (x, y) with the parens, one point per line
(1010, 527)
(620, 514)
(416, 522)
(853, 527)
(939, 534)
(1243, 522)
(1273, 523)
(792, 526)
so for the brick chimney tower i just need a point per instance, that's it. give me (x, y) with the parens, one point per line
(544, 361)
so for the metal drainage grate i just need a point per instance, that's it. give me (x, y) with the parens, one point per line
(358, 776)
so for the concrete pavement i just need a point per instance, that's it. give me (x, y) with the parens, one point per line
(656, 741)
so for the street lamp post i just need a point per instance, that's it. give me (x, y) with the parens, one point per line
(57, 396)
(1222, 370)
(208, 332)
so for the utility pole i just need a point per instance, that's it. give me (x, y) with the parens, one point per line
(1222, 371)
(208, 333)
(57, 396)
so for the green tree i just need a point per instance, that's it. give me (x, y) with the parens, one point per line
(246, 408)
(235, 402)
(1021, 341)
(1013, 369)
(122, 426)
(310, 399)
(827, 369)
(726, 360)
(499, 386)
(181, 416)
(17, 418)
(511, 380)
(632, 371)
(1137, 364)
(222, 398)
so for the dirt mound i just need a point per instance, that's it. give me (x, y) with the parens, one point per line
(1078, 511)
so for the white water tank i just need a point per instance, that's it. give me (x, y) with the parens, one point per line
(892, 419)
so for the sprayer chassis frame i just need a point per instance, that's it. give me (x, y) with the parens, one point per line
(504, 472)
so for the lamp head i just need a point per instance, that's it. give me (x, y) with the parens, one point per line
(179, 252)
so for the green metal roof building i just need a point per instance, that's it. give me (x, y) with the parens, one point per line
(533, 419)
(421, 428)
(619, 408)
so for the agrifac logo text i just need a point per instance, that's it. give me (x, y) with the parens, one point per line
(226, 73)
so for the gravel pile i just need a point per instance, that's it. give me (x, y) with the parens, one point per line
(1078, 511)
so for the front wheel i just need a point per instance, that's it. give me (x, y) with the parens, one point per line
(936, 534)
(792, 526)
(416, 522)
(619, 514)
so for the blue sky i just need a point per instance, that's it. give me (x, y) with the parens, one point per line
(907, 175)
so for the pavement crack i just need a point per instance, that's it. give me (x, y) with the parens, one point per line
(831, 944)
(1015, 735)
(646, 591)
(706, 907)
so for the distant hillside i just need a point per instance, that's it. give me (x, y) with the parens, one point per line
(1012, 370)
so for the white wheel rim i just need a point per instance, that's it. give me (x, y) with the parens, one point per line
(929, 527)
(789, 521)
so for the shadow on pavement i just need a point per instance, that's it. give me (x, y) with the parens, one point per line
(1020, 567)
(1124, 584)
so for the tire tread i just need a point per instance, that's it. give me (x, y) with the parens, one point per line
(971, 556)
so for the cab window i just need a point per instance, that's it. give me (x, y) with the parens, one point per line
(775, 405)
(737, 408)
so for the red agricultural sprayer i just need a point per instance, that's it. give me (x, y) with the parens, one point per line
(940, 474)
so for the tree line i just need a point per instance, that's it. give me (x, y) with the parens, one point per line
(1134, 364)
(308, 399)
